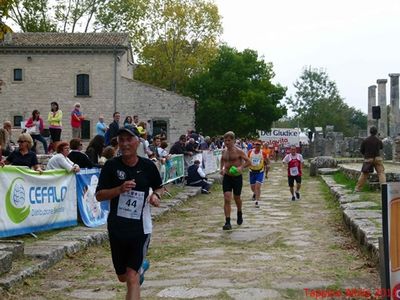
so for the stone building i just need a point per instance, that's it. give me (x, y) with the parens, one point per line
(95, 69)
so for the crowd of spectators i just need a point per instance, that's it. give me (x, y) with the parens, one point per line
(104, 145)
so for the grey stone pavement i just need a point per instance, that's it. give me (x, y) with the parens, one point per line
(283, 250)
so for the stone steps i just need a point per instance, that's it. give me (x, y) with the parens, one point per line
(9, 250)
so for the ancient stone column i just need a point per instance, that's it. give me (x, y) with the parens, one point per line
(394, 116)
(371, 102)
(382, 123)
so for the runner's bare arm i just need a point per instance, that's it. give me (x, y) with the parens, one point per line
(246, 160)
(222, 164)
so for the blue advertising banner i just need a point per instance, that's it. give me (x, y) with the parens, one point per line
(92, 212)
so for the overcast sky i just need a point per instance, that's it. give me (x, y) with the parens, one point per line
(355, 41)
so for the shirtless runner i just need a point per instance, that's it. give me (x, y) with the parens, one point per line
(233, 161)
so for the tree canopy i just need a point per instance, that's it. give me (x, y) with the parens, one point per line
(236, 93)
(5, 6)
(180, 39)
(317, 102)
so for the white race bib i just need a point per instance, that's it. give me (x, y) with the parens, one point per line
(130, 204)
(255, 161)
(294, 171)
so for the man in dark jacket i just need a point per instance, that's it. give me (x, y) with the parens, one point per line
(114, 126)
(197, 177)
(179, 147)
(370, 148)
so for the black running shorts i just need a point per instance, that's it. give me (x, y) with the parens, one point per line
(128, 252)
(234, 183)
(291, 180)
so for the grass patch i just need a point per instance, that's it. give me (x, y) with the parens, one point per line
(349, 183)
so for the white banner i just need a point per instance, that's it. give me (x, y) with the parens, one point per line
(281, 136)
(30, 202)
(393, 192)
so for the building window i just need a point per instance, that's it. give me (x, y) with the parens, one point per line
(160, 127)
(17, 75)
(18, 120)
(82, 85)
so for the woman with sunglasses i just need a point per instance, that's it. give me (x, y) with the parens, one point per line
(34, 127)
(23, 156)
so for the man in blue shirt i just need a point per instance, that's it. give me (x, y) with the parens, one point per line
(101, 127)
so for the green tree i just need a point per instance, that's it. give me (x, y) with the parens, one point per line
(180, 38)
(317, 103)
(32, 15)
(5, 6)
(236, 93)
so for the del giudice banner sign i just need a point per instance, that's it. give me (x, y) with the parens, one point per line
(31, 202)
(281, 136)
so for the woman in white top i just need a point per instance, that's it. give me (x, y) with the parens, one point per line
(61, 160)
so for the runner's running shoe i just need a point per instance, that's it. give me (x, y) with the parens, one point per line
(145, 266)
(227, 226)
(297, 195)
(293, 198)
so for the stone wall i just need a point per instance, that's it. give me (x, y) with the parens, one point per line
(149, 102)
(52, 77)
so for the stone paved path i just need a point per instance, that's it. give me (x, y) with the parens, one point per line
(282, 248)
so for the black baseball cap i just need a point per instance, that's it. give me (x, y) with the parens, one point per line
(129, 129)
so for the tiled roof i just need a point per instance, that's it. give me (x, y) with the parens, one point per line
(59, 40)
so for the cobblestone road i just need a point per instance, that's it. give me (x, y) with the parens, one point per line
(281, 249)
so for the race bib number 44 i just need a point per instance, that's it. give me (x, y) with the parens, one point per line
(130, 204)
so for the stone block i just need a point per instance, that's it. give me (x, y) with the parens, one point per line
(14, 246)
(6, 258)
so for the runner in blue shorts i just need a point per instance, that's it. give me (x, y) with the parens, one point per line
(259, 161)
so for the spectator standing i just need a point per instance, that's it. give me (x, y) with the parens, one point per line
(114, 127)
(191, 146)
(23, 156)
(34, 127)
(370, 148)
(127, 179)
(5, 147)
(77, 156)
(128, 121)
(101, 127)
(136, 120)
(155, 145)
(55, 125)
(11, 145)
(61, 160)
(76, 121)
(179, 147)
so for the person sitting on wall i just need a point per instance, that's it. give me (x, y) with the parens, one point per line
(77, 156)
(95, 149)
(197, 177)
(23, 156)
(61, 160)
